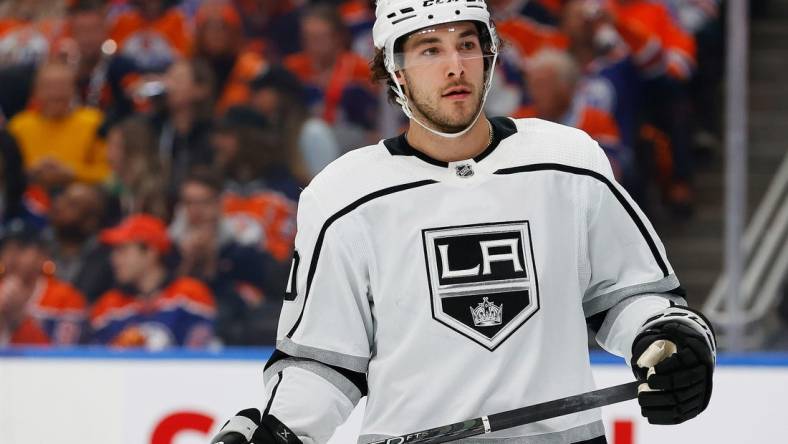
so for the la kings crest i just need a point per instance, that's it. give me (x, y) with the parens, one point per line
(482, 279)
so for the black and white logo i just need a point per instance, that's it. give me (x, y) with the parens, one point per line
(482, 279)
(464, 170)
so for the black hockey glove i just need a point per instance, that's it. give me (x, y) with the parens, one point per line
(679, 387)
(246, 427)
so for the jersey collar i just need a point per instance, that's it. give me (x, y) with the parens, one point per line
(502, 127)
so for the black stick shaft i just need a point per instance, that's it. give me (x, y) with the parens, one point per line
(521, 416)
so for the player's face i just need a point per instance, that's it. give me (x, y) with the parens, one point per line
(443, 75)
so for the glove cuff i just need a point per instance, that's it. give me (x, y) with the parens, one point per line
(280, 432)
(685, 315)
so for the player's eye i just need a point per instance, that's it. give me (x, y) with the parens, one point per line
(468, 46)
(431, 51)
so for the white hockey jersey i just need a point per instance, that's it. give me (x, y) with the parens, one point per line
(447, 291)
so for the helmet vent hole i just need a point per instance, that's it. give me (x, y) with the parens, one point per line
(430, 16)
(457, 12)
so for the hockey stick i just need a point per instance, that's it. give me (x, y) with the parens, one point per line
(521, 416)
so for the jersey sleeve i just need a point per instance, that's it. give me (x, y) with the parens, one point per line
(318, 372)
(625, 266)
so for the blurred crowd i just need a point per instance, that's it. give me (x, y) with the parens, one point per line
(152, 152)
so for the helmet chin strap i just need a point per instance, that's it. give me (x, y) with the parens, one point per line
(405, 105)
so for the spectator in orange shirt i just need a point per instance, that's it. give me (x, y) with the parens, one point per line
(35, 307)
(669, 108)
(679, 46)
(229, 258)
(553, 77)
(219, 41)
(60, 142)
(259, 187)
(150, 307)
(28, 29)
(336, 80)
(152, 33)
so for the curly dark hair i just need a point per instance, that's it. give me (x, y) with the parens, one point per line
(377, 65)
(378, 73)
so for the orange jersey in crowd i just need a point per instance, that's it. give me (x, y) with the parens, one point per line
(27, 42)
(274, 213)
(349, 69)
(679, 47)
(236, 91)
(55, 315)
(72, 140)
(180, 314)
(153, 44)
(528, 37)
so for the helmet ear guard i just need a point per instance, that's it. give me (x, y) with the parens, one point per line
(396, 19)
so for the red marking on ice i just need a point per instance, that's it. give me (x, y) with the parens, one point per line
(623, 432)
(177, 422)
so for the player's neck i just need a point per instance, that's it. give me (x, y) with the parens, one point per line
(447, 149)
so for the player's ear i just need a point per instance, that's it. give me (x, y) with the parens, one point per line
(400, 78)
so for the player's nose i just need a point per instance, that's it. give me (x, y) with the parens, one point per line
(454, 63)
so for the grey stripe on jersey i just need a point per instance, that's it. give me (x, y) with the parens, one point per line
(607, 301)
(354, 363)
(573, 435)
(335, 378)
(610, 318)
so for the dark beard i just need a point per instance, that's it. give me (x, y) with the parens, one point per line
(430, 114)
(442, 125)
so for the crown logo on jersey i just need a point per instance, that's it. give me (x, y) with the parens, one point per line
(487, 314)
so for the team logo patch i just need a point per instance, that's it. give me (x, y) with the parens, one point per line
(482, 279)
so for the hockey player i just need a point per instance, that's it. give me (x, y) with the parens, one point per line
(450, 272)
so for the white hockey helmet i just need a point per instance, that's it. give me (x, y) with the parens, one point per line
(395, 19)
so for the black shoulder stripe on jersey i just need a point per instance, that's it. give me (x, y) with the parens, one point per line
(319, 244)
(620, 197)
(356, 378)
(273, 395)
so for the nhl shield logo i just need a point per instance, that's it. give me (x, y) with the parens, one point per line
(464, 170)
(482, 279)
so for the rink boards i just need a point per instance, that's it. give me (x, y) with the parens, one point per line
(95, 396)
